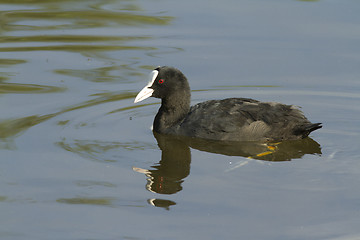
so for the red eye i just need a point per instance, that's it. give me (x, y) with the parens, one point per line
(161, 81)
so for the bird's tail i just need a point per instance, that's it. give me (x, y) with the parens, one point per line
(306, 129)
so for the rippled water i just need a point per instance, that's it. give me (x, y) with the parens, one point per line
(78, 159)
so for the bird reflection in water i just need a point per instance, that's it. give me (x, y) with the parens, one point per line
(167, 176)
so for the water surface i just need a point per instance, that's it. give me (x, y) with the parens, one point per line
(78, 159)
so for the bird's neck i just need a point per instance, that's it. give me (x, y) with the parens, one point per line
(171, 113)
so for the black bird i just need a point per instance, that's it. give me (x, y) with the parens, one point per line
(231, 119)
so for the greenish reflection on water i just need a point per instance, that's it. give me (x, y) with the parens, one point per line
(39, 23)
(28, 88)
(80, 19)
(85, 27)
(74, 48)
(101, 74)
(79, 15)
(10, 128)
(11, 61)
(84, 200)
(67, 38)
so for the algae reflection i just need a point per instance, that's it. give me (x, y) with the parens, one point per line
(13, 127)
(93, 29)
(49, 18)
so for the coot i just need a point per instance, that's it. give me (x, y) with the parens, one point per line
(232, 119)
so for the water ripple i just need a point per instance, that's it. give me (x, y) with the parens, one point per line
(28, 88)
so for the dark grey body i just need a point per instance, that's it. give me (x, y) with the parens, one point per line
(242, 119)
(232, 119)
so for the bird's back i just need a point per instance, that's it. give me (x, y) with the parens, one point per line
(243, 119)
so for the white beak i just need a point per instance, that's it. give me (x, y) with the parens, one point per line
(144, 94)
(147, 91)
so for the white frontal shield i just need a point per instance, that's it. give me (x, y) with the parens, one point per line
(147, 91)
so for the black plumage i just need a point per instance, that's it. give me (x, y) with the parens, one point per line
(232, 119)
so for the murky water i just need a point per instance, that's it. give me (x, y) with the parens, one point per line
(78, 159)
